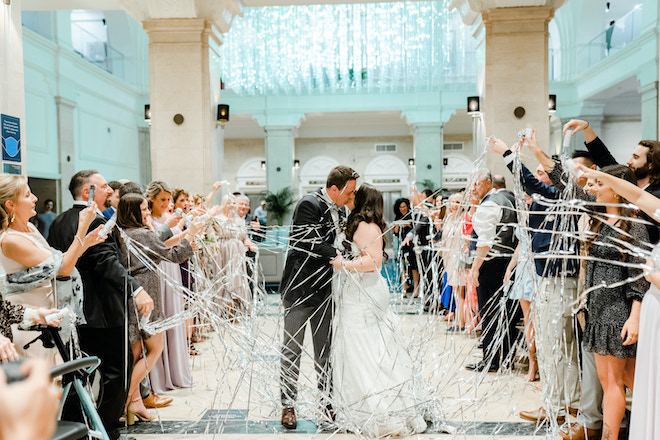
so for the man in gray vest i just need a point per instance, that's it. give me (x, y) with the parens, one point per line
(493, 243)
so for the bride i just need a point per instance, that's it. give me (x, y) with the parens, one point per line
(374, 383)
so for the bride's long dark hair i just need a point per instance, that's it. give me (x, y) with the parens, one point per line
(368, 209)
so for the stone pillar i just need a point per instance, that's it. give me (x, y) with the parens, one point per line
(183, 98)
(516, 74)
(66, 148)
(649, 95)
(428, 144)
(280, 146)
(12, 84)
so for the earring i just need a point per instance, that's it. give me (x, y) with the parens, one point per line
(11, 219)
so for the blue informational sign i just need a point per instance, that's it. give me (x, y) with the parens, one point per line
(10, 127)
(11, 168)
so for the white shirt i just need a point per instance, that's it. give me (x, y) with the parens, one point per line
(485, 220)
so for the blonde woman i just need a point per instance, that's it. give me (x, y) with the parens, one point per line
(23, 247)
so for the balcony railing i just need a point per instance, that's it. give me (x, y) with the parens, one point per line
(611, 40)
(98, 52)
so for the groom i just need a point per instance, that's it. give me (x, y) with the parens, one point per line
(306, 285)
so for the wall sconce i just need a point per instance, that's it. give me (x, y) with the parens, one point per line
(411, 162)
(263, 164)
(222, 115)
(296, 164)
(147, 114)
(473, 105)
(552, 103)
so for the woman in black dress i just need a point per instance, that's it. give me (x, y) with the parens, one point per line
(613, 312)
(407, 260)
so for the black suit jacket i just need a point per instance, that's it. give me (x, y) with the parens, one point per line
(106, 283)
(307, 275)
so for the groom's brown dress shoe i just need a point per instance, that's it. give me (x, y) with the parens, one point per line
(289, 418)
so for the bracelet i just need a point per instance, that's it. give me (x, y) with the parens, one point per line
(79, 240)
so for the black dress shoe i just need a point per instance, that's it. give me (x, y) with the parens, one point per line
(289, 418)
(481, 366)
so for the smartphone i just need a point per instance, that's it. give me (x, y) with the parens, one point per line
(90, 199)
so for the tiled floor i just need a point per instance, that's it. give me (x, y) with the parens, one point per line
(237, 389)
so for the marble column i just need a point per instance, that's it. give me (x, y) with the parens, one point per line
(184, 93)
(280, 146)
(428, 144)
(649, 95)
(516, 74)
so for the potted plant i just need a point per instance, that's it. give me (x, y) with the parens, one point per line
(279, 204)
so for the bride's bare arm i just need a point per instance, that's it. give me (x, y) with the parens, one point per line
(368, 238)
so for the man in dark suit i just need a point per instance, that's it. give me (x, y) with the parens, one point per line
(107, 287)
(306, 285)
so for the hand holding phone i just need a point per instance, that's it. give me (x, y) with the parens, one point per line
(90, 199)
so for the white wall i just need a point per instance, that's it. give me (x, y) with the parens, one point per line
(621, 137)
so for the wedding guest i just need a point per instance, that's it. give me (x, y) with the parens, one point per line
(644, 161)
(557, 290)
(644, 423)
(132, 214)
(493, 242)
(261, 213)
(113, 200)
(172, 369)
(23, 247)
(28, 408)
(231, 260)
(407, 260)
(612, 324)
(451, 249)
(254, 234)
(107, 287)
(16, 314)
(522, 289)
(418, 238)
(46, 217)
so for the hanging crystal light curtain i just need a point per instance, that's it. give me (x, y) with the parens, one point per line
(321, 49)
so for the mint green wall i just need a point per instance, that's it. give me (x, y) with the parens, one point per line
(107, 112)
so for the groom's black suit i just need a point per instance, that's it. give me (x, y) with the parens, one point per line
(306, 290)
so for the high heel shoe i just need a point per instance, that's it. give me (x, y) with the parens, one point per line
(131, 414)
(533, 368)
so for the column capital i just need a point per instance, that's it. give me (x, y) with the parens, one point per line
(649, 91)
(279, 119)
(592, 110)
(437, 116)
(59, 100)
(220, 14)
(181, 31)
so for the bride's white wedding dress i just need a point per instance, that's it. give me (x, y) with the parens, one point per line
(376, 391)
